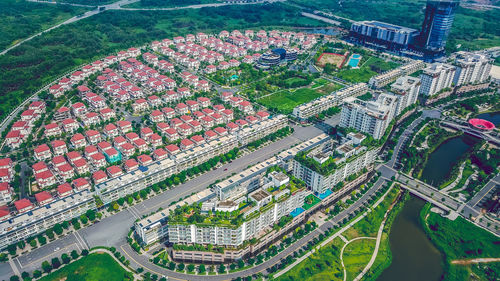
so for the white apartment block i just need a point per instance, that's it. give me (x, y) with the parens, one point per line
(472, 68)
(371, 117)
(307, 110)
(28, 224)
(155, 227)
(436, 77)
(359, 159)
(390, 76)
(255, 221)
(406, 90)
(261, 129)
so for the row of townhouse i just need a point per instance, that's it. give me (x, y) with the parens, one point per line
(259, 130)
(65, 83)
(21, 129)
(384, 79)
(158, 171)
(314, 107)
(27, 219)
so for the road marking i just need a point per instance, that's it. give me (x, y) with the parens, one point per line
(14, 267)
(80, 240)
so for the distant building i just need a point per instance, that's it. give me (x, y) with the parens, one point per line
(437, 24)
(381, 34)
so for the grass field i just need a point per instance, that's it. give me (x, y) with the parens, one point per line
(329, 88)
(94, 267)
(372, 66)
(323, 265)
(356, 255)
(286, 101)
(460, 239)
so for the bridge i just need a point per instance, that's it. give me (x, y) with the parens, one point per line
(428, 193)
(490, 137)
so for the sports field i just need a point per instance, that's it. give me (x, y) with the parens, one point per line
(331, 58)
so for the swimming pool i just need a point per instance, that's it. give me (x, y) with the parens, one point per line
(325, 194)
(297, 212)
(354, 60)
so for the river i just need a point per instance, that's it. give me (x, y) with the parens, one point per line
(493, 117)
(414, 257)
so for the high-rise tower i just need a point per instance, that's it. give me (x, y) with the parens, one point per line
(439, 15)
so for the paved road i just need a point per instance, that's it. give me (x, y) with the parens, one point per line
(112, 231)
(491, 186)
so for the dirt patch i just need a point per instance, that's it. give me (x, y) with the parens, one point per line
(331, 58)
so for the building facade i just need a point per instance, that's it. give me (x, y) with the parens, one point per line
(406, 90)
(436, 77)
(381, 34)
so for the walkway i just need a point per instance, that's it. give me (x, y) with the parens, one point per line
(478, 260)
(345, 245)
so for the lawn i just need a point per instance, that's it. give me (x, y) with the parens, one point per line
(313, 201)
(369, 225)
(372, 66)
(460, 239)
(357, 255)
(93, 267)
(323, 265)
(286, 101)
(292, 80)
(329, 88)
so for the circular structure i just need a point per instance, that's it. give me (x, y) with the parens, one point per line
(481, 124)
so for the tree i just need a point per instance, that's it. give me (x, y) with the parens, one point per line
(201, 268)
(14, 278)
(25, 275)
(190, 267)
(65, 224)
(58, 229)
(181, 266)
(74, 254)
(46, 267)
(12, 249)
(90, 214)
(241, 264)
(56, 263)
(33, 243)
(84, 219)
(222, 268)
(65, 258)
(85, 252)
(37, 273)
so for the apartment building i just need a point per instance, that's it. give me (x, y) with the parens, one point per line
(406, 90)
(348, 159)
(390, 76)
(436, 77)
(371, 117)
(27, 224)
(472, 68)
(307, 110)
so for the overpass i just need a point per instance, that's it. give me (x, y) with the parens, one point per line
(490, 137)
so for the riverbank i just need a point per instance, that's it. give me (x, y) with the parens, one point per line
(459, 240)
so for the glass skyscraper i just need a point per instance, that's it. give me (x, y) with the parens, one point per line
(437, 24)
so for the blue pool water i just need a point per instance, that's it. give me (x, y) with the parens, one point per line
(297, 212)
(354, 60)
(325, 194)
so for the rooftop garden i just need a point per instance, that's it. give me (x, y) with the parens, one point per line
(310, 201)
(191, 214)
(324, 168)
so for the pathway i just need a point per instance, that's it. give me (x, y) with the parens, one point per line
(343, 248)
(478, 260)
